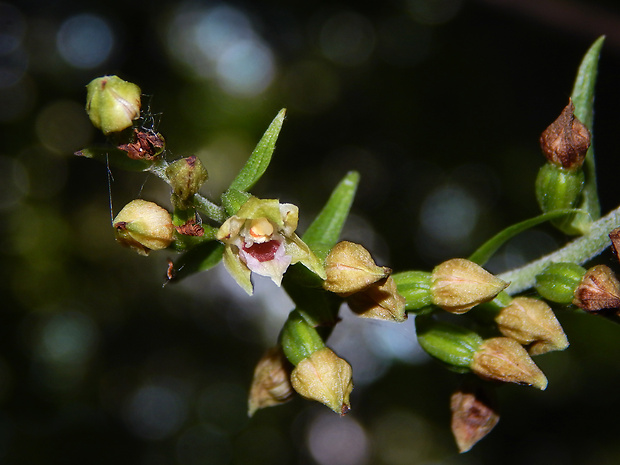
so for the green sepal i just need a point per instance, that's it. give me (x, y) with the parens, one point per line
(583, 100)
(448, 343)
(258, 162)
(299, 339)
(558, 282)
(301, 253)
(238, 270)
(415, 287)
(115, 157)
(486, 250)
(558, 188)
(324, 231)
(233, 200)
(200, 258)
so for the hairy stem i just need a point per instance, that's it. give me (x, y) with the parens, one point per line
(579, 251)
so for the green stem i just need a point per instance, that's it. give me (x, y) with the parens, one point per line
(579, 251)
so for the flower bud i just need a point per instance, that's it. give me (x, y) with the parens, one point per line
(326, 378)
(557, 282)
(299, 339)
(599, 289)
(186, 177)
(532, 322)
(566, 141)
(559, 188)
(415, 287)
(271, 384)
(450, 344)
(504, 359)
(459, 284)
(350, 268)
(380, 301)
(144, 226)
(474, 415)
(112, 104)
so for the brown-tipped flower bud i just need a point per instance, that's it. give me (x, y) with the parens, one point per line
(532, 322)
(186, 177)
(271, 384)
(504, 359)
(380, 301)
(566, 141)
(615, 242)
(474, 415)
(144, 226)
(112, 104)
(326, 378)
(350, 268)
(459, 285)
(599, 289)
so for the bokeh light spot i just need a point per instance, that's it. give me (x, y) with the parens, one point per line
(335, 440)
(155, 412)
(449, 213)
(13, 182)
(63, 127)
(68, 338)
(85, 41)
(246, 68)
(347, 38)
(434, 11)
(12, 28)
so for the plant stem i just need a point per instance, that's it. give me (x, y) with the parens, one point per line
(579, 251)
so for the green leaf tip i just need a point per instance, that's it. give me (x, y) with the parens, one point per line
(259, 161)
(325, 230)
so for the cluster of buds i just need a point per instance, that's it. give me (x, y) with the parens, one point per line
(318, 373)
(369, 289)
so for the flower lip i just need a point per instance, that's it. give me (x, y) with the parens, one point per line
(262, 251)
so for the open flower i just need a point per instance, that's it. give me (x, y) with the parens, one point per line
(261, 238)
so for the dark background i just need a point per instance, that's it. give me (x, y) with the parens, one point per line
(439, 105)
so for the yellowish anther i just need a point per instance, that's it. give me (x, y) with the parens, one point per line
(261, 229)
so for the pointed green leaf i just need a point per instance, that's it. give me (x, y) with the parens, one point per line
(583, 99)
(484, 252)
(258, 162)
(325, 230)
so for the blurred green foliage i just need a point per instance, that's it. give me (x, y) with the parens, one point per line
(438, 104)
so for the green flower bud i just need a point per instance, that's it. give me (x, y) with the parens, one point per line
(559, 188)
(557, 282)
(271, 383)
(451, 344)
(326, 378)
(144, 226)
(459, 285)
(415, 287)
(350, 268)
(186, 177)
(112, 104)
(504, 359)
(299, 339)
(532, 322)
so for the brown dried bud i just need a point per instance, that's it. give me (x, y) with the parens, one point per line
(459, 285)
(615, 242)
(326, 378)
(566, 141)
(350, 268)
(599, 289)
(271, 383)
(190, 228)
(380, 301)
(474, 415)
(504, 359)
(531, 321)
(145, 146)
